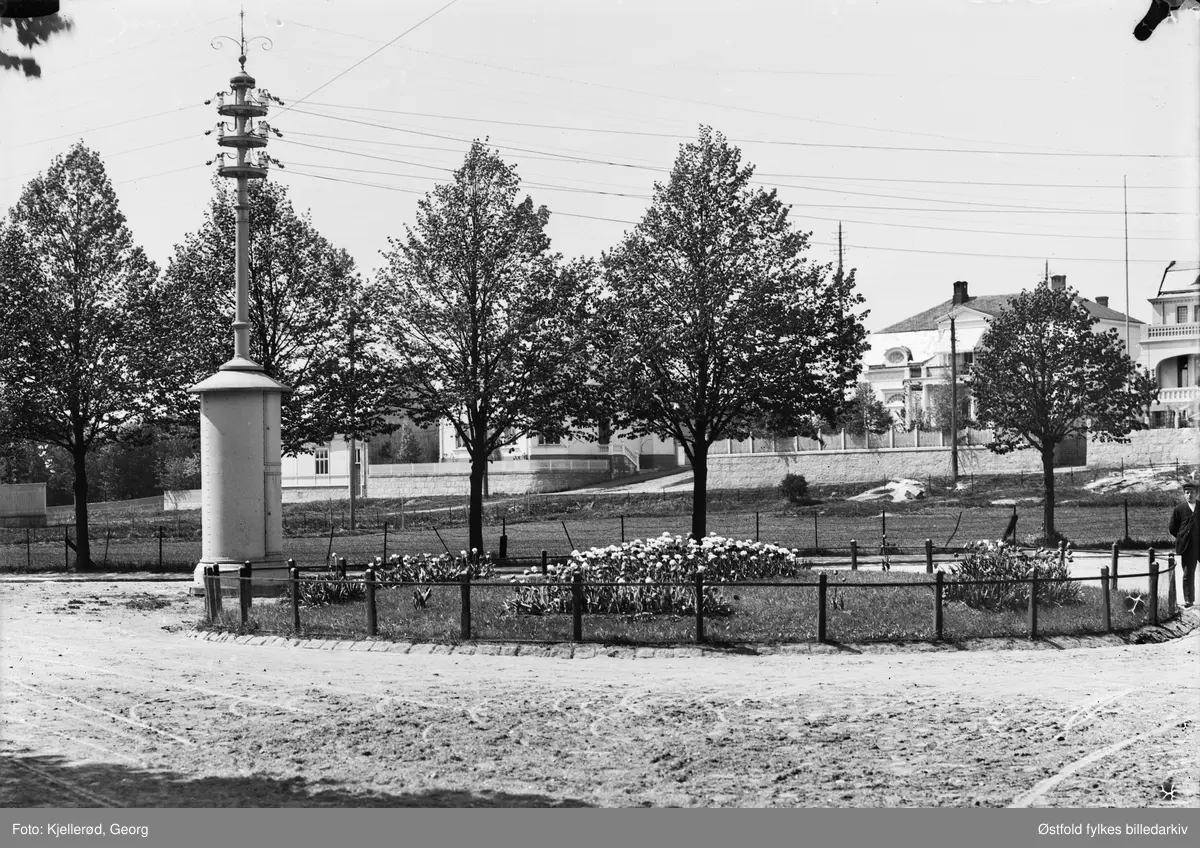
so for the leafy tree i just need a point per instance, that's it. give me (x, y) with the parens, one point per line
(937, 415)
(411, 450)
(481, 316)
(716, 321)
(1043, 374)
(74, 364)
(31, 33)
(300, 292)
(863, 413)
(355, 381)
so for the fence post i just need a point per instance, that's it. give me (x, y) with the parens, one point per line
(160, 541)
(699, 607)
(544, 563)
(244, 591)
(66, 549)
(1115, 556)
(937, 606)
(503, 538)
(341, 568)
(929, 556)
(1106, 585)
(369, 588)
(756, 526)
(821, 589)
(465, 577)
(853, 555)
(1126, 536)
(1153, 592)
(206, 579)
(1171, 584)
(622, 529)
(816, 538)
(28, 552)
(385, 531)
(883, 516)
(577, 607)
(294, 576)
(1033, 587)
(218, 605)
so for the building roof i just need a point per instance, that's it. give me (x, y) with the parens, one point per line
(1182, 277)
(989, 304)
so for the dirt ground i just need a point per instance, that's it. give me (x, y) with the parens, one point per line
(107, 701)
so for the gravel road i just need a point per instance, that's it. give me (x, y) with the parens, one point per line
(109, 701)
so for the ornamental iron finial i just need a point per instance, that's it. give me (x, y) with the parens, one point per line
(241, 42)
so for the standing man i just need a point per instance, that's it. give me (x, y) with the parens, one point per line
(1186, 530)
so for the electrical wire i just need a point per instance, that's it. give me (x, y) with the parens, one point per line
(820, 243)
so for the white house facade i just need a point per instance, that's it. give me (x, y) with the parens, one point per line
(1170, 346)
(909, 358)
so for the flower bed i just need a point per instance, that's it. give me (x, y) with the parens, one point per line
(649, 576)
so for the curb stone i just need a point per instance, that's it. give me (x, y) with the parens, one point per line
(1184, 623)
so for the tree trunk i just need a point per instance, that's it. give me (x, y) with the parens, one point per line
(475, 515)
(1048, 485)
(83, 554)
(699, 490)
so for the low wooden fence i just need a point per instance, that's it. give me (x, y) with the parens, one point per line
(371, 584)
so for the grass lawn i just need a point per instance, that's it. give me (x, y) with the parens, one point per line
(123, 540)
(861, 607)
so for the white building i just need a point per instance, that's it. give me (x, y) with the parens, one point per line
(1170, 346)
(908, 358)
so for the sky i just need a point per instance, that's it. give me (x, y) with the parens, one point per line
(976, 140)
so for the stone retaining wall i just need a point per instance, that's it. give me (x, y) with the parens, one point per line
(1148, 447)
(428, 485)
(764, 471)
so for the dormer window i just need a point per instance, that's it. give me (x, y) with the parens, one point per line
(898, 356)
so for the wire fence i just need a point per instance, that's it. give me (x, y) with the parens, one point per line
(828, 607)
(175, 546)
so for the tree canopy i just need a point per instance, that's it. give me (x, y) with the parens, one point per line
(1042, 374)
(481, 319)
(715, 321)
(74, 293)
(302, 294)
(31, 33)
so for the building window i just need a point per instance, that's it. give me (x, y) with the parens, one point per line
(322, 460)
(1180, 314)
(548, 440)
(1183, 372)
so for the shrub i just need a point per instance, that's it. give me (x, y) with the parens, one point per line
(427, 568)
(1001, 561)
(795, 489)
(652, 576)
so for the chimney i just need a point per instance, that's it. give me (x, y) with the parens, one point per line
(1102, 301)
(960, 292)
(1058, 282)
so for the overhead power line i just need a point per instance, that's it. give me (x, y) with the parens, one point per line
(735, 108)
(820, 243)
(996, 207)
(367, 57)
(784, 142)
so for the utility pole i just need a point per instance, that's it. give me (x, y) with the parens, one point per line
(953, 407)
(1125, 194)
(240, 405)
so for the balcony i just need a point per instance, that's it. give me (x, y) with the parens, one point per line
(1173, 331)
(1188, 394)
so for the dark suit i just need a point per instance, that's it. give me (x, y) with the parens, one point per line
(1185, 527)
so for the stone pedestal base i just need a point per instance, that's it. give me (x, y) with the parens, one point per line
(268, 578)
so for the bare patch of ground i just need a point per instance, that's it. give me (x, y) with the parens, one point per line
(106, 702)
